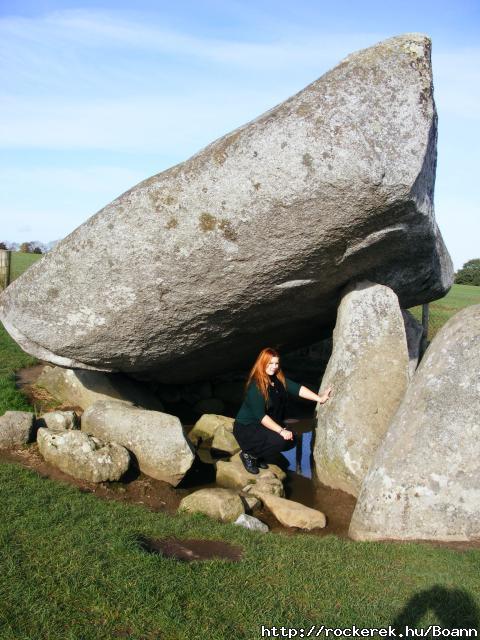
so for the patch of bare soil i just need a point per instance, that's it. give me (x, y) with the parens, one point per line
(190, 550)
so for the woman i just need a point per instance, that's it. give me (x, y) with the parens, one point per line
(259, 428)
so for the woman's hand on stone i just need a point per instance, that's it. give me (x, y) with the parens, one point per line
(326, 395)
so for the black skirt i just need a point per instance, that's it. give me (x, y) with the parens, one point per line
(260, 442)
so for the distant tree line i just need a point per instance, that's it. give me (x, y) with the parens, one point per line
(28, 247)
(469, 273)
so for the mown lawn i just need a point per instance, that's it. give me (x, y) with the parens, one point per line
(71, 568)
(21, 261)
(459, 296)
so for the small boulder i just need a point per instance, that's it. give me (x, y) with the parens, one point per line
(16, 427)
(249, 522)
(273, 486)
(156, 439)
(232, 474)
(293, 514)
(206, 426)
(221, 504)
(224, 440)
(82, 456)
(59, 420)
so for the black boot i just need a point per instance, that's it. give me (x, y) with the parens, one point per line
(261, 464)
(248, 462)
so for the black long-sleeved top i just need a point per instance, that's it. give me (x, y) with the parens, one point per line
(254, 407)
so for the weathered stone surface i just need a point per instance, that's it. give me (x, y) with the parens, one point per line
(250, 502)
(16, 427)
(293, 514)
(82, 456)
(83, 388)
(249, 522)
(206, 426)
(232, 474)
(59, 420)
(221, 504)
(247, 242)
(273, 486)
(424, 481)
(414, 333)
(224, 440)
(368, 371)
(156, 439)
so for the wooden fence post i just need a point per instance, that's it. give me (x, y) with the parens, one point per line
(5, 267)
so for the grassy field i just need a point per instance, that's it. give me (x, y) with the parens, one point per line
(71, 566)
(457, 298)
(21, 262)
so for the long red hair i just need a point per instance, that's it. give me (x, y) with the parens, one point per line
(260, 376)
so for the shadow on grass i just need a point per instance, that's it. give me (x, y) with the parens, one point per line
(454, 608)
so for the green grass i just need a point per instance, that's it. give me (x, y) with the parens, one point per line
(70, 568)
(11, 359)
(442, 310)
(21, 262)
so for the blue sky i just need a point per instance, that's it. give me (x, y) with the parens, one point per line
(96, 96)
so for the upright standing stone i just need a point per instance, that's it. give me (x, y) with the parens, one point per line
(368, 370)
(424, 482)
(248, 242)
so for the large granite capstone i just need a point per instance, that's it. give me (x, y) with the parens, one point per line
(248, 242)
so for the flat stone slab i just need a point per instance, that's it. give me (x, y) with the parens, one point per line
(293, 514)
(221, 504)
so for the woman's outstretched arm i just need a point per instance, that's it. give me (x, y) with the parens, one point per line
(273, 426)
(310, 395)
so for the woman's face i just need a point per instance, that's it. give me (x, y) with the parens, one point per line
(272, 366)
